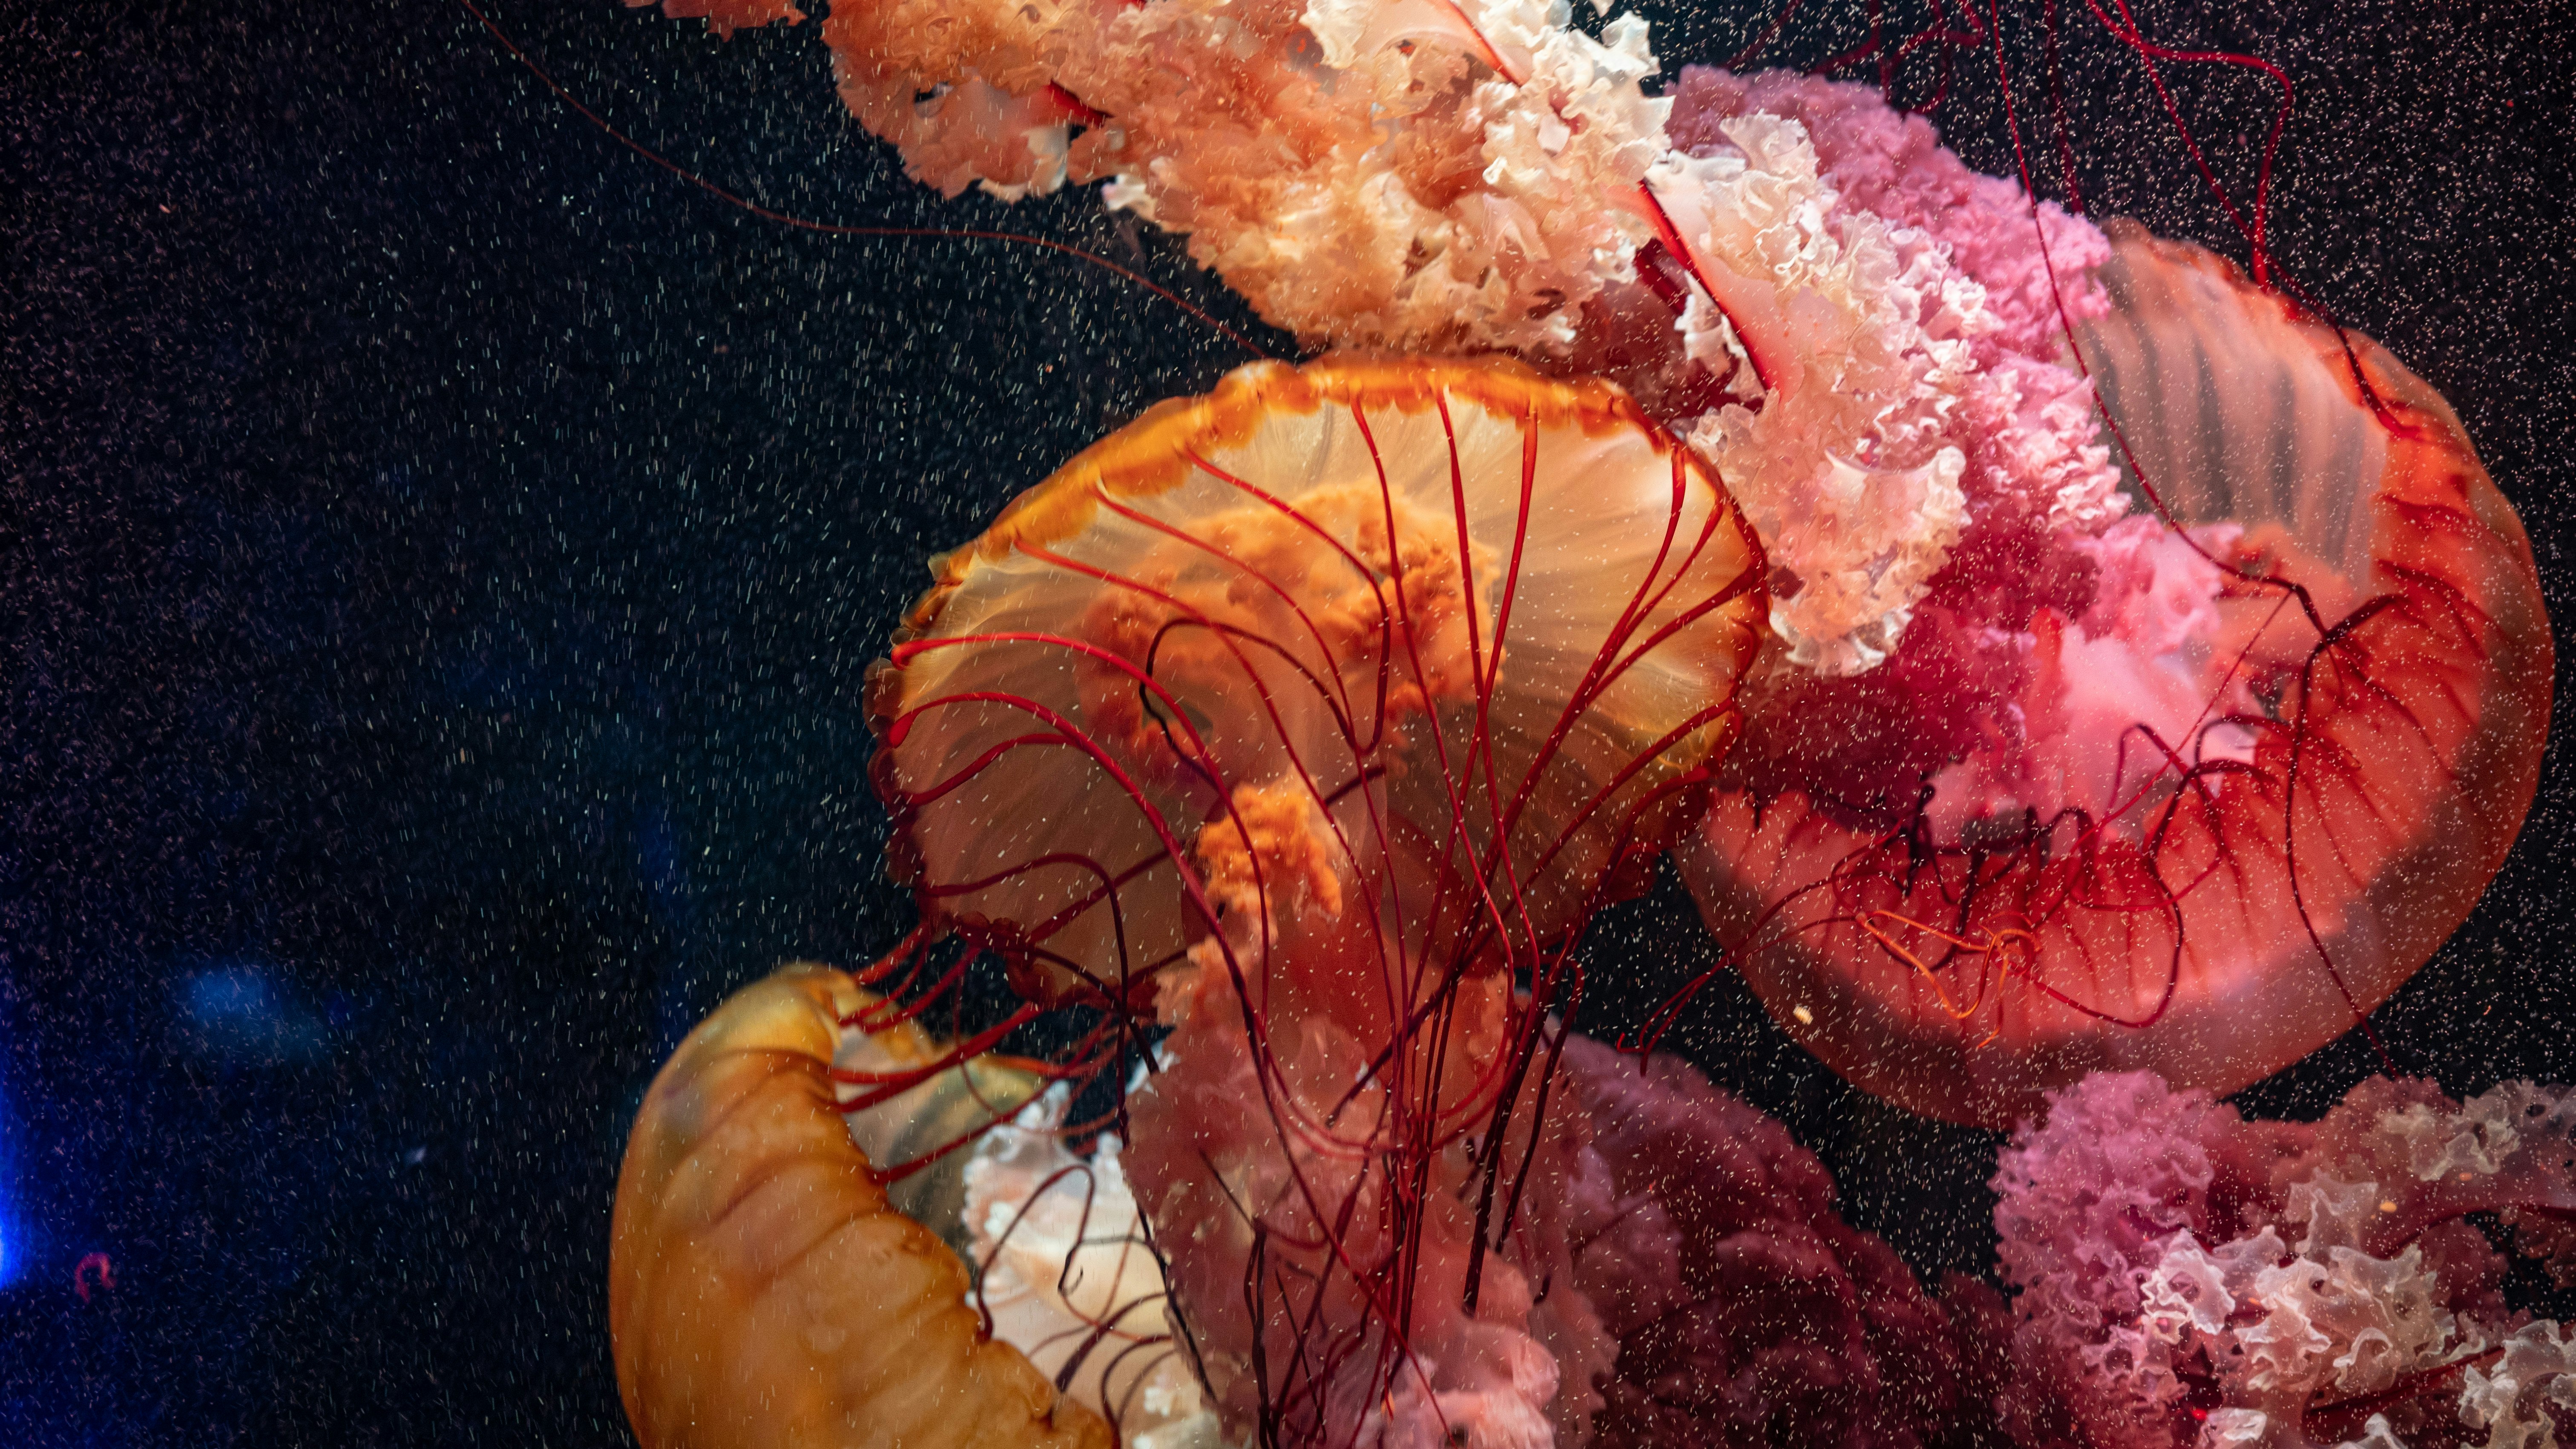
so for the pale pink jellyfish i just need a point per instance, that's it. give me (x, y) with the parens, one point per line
(2185, 1277)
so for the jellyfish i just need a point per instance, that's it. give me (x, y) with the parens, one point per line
(1302, 725)
(2153, 677)
(1310, 721)
(764, 1286)
(2188, 780)
(2184, 1276)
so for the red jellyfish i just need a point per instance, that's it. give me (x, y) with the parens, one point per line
(1309, 722)
(2189, 792)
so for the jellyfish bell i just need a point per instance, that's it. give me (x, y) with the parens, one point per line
(1436, 629)
(2236, 781)
(1314, 718)
(765, 1286)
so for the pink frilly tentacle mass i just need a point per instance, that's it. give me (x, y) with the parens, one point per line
(2185, 1276)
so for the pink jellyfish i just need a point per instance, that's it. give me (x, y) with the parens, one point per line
(2187, 773)
(2187, 1277)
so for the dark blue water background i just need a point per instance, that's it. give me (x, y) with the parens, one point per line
(440, 554)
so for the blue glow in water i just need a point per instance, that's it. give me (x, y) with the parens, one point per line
(239, 1015)
(11, 1265)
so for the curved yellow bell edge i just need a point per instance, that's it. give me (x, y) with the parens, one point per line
(764, 1291)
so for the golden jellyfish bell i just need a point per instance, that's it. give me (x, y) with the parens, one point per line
(765, 1289)
(1402, 659)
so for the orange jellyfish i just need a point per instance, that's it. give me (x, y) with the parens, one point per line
(2219, 799)
(1288, 738)
(764, 1287)
(1308, 722)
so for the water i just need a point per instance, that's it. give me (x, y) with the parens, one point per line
(445, 553)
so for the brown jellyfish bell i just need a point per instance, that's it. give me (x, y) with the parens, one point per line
(1309, 722)
(2352, 666)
